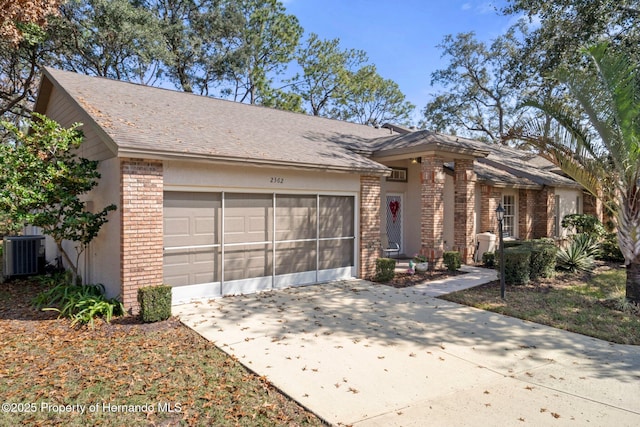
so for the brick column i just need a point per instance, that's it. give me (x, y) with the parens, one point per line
(465, 183)
(141, 241)
(544, 210)
(489, 201)
(370, 245)
(526, 214)
(432, 208)
(592, 205)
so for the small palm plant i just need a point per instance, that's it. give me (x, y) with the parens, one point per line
(580, 255)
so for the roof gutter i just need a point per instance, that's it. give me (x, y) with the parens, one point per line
(124, 152)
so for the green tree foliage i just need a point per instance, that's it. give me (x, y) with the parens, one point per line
(42, 181)
(119, 39)
(564, 26)
(370, 99)
(26, 41)
(200, 38)
(600, 146)
(267, 42)
(479, 96)
(325, 72)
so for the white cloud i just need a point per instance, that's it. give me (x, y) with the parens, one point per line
(487, 7)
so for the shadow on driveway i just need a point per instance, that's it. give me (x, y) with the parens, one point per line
(358, 352)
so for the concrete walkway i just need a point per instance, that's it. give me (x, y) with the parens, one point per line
(362, 354)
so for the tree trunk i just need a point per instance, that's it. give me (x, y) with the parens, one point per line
(72, 266)
(633, 282)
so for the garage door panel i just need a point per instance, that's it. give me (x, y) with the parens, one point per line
(176, 280)
(195, 219)
(176, 227)
(295, 257)
(336, 216)
(247, 262)
(336, 254)
(296, 217)
(192, 266)
(205, 226)
(190, 218)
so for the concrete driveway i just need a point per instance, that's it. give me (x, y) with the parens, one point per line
(362, 354)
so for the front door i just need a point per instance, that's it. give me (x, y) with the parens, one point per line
(394, 218)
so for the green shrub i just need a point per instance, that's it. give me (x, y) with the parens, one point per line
(543, 259)
(385, 269)
(80, 303)
(452, 260)
(513, 243)
(609, 249)
(489, 259)
(579, 255)
(584, 224)
(417, 258)
(517, 265)
(155, 303)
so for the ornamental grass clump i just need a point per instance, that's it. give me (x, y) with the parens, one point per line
(80, 303)
(580, 255)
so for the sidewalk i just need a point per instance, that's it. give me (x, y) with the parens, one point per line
(364, 354)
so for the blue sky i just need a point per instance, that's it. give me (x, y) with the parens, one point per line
(400, 36)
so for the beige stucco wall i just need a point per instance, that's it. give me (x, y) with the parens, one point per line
(65, 112)
(192, 176)
(101, 262)
(104, 268)
(570, 202)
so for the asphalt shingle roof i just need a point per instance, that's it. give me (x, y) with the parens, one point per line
(159, 122)
(147, 119)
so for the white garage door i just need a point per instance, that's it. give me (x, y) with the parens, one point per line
(229, 243)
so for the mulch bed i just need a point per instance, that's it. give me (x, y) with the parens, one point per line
(405, 280)
(16, 305)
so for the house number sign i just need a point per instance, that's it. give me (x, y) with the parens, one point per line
(277, 180)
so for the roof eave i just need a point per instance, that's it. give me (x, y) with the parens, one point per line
(124, 152)
(445, 151)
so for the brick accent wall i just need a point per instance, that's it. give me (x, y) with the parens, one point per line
(432, 207)
(526, 214)
(544, 213)
(370, 244)
(465, 182)
(142, 227)
(490, 199)
(592, 205)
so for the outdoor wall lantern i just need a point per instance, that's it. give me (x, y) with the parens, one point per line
(500, 216)
(416, 160)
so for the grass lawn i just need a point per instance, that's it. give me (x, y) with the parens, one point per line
(174, 376)
(589, 304)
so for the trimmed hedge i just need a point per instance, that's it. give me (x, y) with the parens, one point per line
(452, 260)
(489, 259)
(543, 259)
(513, 243)
(155, 303)
(517, 265)
(385, 269)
